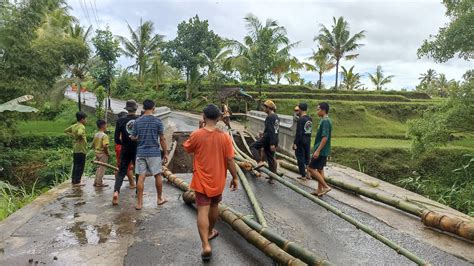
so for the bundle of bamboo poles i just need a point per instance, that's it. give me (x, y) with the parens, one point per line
(251, 235)
(454, 225)
(344, 216)
(428, 217)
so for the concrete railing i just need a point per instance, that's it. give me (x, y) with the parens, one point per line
(286, 135)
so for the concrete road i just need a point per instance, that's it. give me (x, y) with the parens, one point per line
(80, 226)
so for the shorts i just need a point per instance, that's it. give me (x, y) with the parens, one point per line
(203, 200)
(318, 163)
(148, 166)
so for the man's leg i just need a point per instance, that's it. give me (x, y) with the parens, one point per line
(272, 163)
(159, 190)
(80, 167)
(140, 187)
(307, 157)
(300, 157)
(213, 214)
(99, 173)
(124, 161)
(75, 166)
(320, 178)
(255, 149)
(203, 226)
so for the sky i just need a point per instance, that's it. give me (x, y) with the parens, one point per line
(394, 28)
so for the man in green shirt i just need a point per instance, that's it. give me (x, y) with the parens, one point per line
(322, 149)
(79, 148)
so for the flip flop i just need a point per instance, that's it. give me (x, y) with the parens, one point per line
(136, 208)
(324, 192)
(271, 182)
(314, 193)
(163, 202)
(215, 234)
(206, 256)
(258, 166)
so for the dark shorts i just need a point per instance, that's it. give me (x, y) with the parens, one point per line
(318, 163)
(203, 200)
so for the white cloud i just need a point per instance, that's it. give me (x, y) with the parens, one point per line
(394, 29)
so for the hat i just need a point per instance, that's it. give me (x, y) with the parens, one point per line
(270, 104)
(131, 106)
(296, 109)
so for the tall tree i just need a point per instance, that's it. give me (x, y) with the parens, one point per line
(456, 37)
(443, 85)
(287, 66)
(428, 82)
(379, 79)
(323, 62)
(188, 51)
(263, 46)
(108, 50)
(339, 42)
(350, 80)
(142, 45)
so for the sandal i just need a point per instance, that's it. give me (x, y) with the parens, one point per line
(214, 234)
(206, 256)
(324, 192)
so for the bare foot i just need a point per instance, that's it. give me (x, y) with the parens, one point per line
(138, 207)
(115, 198)
(259, 165)
(316, 192)
(206, 253)
(132, 186)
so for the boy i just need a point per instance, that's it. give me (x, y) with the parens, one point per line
(302, 143)
(101, 148)
(322, 146)
(147, 130)
(213, 155)
(269, 141)
(79, 148)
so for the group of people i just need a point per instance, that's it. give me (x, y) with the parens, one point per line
(143, 147)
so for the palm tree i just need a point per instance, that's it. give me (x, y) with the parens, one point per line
(287, 67)
(379, 79)
(339, 42)
(443, 85)
(350, 80)
(77, 32)
(323, 62)
(429, 77)
(142, 46)
(263, 46)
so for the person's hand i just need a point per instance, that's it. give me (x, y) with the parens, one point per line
(316, 154)
(272, 148)
(202, 123)
(234, 183)
(165, 159)
(294, 147)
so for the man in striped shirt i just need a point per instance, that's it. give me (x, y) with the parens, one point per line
(148, 131)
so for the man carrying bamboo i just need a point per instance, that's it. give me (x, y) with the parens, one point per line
(213, 155)
(269, 140)
(322, 149)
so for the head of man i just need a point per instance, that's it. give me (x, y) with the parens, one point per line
(101, 125)
(296, 111)
(303, 107)
(148, 106)
(211, 114)
(323, 109)
(131, 106)
(81, 117)
(269, 106)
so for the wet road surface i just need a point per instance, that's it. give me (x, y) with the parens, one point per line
(82, 227)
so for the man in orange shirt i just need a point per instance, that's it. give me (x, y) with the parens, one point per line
(213, 155)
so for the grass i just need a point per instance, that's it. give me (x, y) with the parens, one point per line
(370, 143)
(14, 198)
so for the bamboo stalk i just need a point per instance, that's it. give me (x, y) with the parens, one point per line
(253, 237)
(255, 205)
(105, 165)
(346, 217)
(291, 247)
(245, 142)
(172, 151)
(429, 218)
(288, 158)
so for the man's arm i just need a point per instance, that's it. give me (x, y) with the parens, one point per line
(68, 130)
(299, 133)
(271, 131)
(189, 145)
(234, 183)
(105, 142)
(117, 138)
(164, 147)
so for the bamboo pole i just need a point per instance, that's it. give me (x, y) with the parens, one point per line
(346, 217)
(253, 237)
(172, 151)
(291, 247)
(255, 205)
(429, 218)
(105, 165)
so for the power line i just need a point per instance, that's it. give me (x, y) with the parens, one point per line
(94, 12)
(84, 5)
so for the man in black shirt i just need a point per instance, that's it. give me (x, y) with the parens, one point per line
(269, 140)
(123, 130)
(302, 143)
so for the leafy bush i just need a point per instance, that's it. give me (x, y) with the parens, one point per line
(334, 96)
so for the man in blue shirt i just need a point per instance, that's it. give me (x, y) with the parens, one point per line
(148, 131)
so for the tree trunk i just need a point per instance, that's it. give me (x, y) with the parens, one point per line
(337, 73)
(79, 96)
(188, 90)
(320, 85)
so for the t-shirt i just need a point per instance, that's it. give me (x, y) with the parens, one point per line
(324, 130)
(78, 132)
(270, 133)
(123, 130)
(211, 150)
(148, 129)
(304, 129)
(100, 141)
